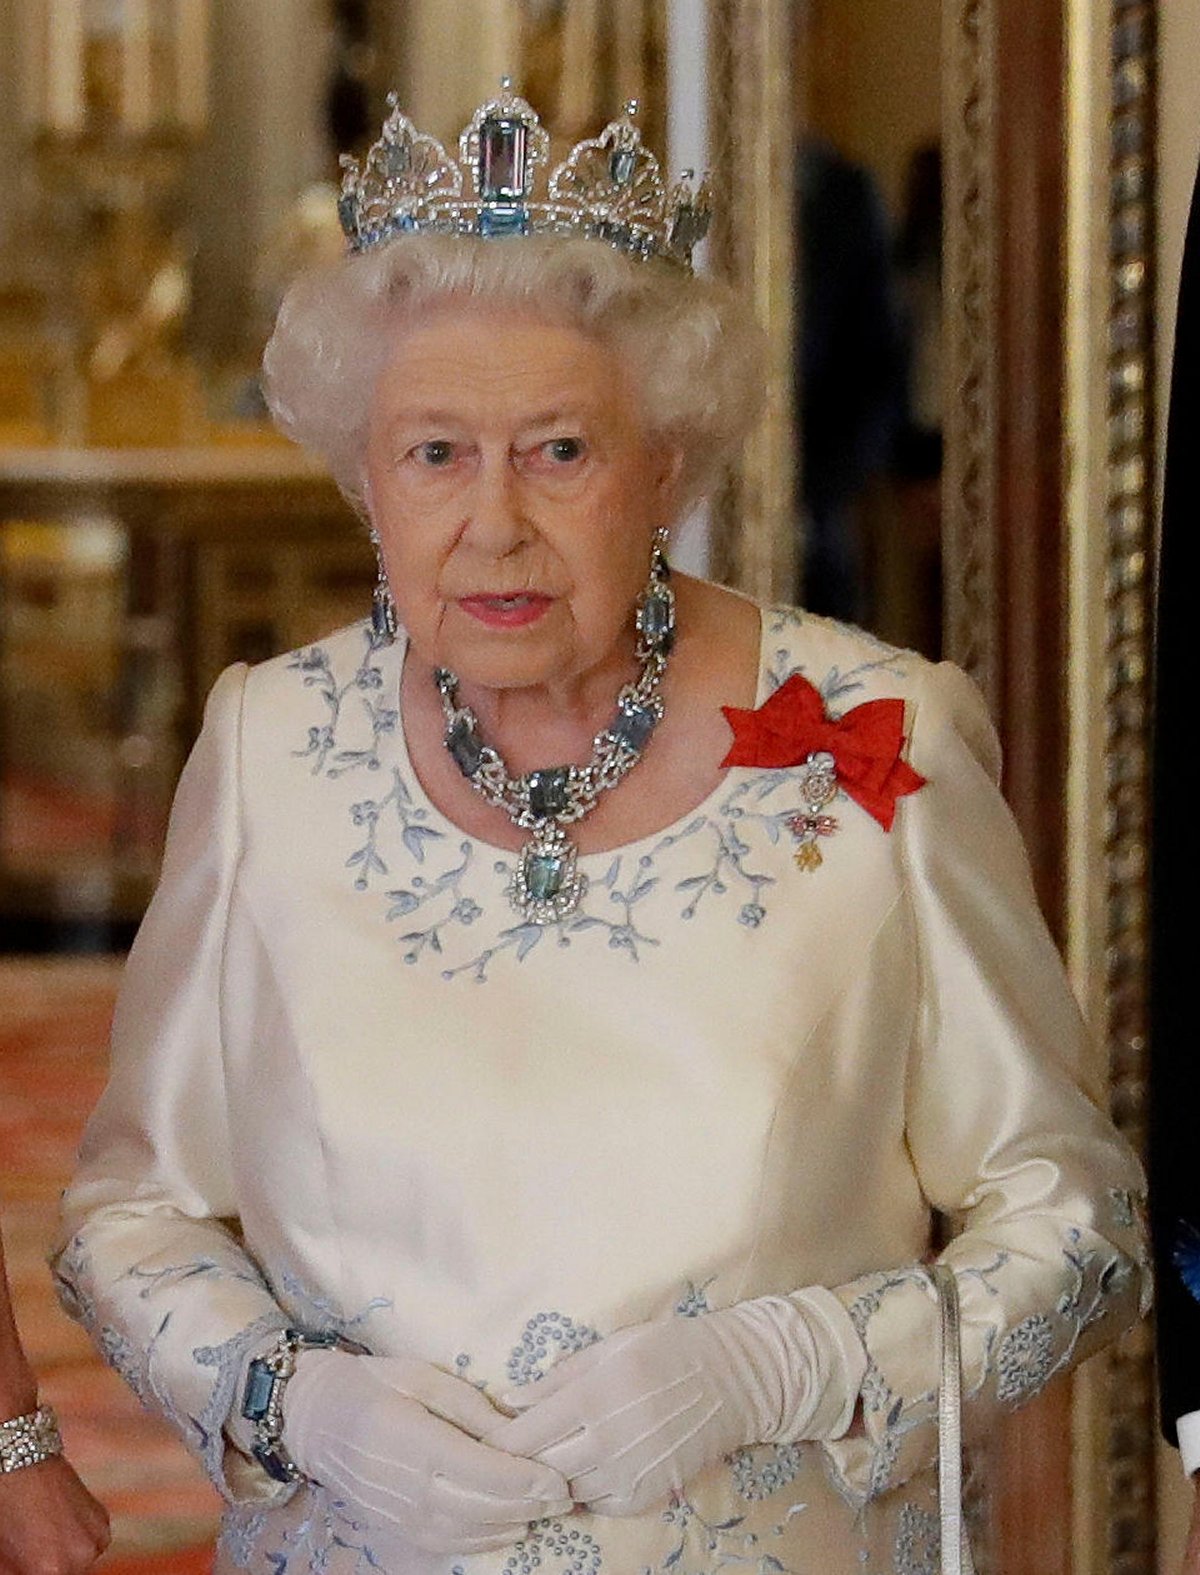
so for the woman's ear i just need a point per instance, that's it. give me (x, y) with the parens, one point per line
(666, 481)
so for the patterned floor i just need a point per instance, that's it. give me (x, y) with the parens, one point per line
(54, 1018)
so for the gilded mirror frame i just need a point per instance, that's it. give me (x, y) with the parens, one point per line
(1108, 511)
(1109, 526)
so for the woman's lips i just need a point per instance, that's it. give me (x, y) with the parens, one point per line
(511, 610)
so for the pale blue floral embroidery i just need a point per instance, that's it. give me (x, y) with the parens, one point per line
(723, 1541)
(918, 1542)
(73, 1274)
(193, 1269)
(766, 1469)
(328, 1526)
(553, 1545)
(1018, 1361)
(125, 1360)
(694, 1300)
(241, 1532)
(317, 1313)
(546, 1337)
(366, 682)
(439, 898)
(370, 812)
(730, 844)
(622, 932)
(902, 1414)
(729, 857)
(836, 685)
(1025, 1359)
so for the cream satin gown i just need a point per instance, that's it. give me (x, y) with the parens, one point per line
(351, 1089)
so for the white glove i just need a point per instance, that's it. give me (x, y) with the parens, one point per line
(637, 1416)
(397, 1438)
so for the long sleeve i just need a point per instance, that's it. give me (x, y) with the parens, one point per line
(1045, 1198)
(151, 1262)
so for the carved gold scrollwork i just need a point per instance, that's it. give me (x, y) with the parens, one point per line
(969, 483)
(1130, 533)
(969, 586)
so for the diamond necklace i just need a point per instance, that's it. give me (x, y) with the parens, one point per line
(546, 884)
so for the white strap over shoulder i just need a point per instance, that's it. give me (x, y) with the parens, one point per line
(956, 1551)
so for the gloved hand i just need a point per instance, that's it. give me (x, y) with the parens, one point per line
(398, 1438)
(637, 1416)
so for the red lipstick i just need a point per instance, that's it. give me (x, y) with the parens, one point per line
(507, 610)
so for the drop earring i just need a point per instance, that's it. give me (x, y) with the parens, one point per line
(384, 622)
(656, 605)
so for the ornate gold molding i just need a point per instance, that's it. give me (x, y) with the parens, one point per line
(972, 333)
(1117, 1453)
(1129, 550)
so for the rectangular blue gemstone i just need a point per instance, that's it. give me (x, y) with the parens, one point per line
(548, 791)
(260, 1381)
(656, 622)
(544, 875)
(634, 727)
(465, 747)
(503, 219)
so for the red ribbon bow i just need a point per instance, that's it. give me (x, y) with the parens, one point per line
(865, 743)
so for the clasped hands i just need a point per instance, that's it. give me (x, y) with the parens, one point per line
(613, 1428)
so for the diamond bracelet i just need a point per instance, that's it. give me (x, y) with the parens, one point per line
(30, 1439)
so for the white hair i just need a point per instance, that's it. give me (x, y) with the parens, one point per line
(693, 349)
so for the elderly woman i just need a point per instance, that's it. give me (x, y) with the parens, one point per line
(571, 993)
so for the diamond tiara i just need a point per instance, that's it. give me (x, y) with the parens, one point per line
(608, 188)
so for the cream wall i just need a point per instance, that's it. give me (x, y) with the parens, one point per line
(1179, 144)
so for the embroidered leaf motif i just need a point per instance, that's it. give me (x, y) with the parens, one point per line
(726, 839)
(528, 935)
(415, 838)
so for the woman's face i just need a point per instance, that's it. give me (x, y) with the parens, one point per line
(515, 495)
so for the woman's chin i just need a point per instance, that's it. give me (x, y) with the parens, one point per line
(508, 660)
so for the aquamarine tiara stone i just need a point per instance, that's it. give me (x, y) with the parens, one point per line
(609, 187)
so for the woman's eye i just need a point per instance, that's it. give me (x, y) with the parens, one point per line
(437, 452)
(564, 450)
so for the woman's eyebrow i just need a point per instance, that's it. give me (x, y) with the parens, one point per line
(421, 418)
(558, 415)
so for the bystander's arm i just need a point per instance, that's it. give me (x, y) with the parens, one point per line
(49, 1523)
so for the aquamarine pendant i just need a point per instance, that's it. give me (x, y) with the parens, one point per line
(546, 885)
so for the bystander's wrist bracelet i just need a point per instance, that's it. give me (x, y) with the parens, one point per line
(30, 1439)
(262, 1403)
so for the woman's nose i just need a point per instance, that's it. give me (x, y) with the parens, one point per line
(497, 523)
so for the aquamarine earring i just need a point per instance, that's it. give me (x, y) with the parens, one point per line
(384, 622)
